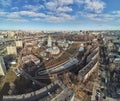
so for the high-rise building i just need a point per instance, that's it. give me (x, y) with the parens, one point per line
(19, 43)
(2, 66)
(49, 43)
(11, 50)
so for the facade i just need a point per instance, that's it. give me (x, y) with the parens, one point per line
(49, 43)
(2, 66)
(11, 50)
(11, 34)
(19, 43)
(86, 71)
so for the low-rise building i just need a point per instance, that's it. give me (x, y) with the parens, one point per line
(28, 58)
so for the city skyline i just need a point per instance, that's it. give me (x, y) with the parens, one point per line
(59, 15)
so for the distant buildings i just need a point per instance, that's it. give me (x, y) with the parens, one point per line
(113, 43)
(113, 46)
(95, 33)
(11, 50)
(2, 66)
(11, 34)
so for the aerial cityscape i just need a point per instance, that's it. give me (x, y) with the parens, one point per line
(59, 50)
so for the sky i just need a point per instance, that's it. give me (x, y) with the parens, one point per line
(59, 14)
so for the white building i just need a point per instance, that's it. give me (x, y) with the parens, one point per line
(54, 50)
(11, 50)
(19, 43)
(49, 43)
(2, 66)
(11, 34)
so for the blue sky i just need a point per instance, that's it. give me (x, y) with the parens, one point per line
(60, 14)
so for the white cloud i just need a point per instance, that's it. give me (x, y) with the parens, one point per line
(2, 13)
(116, 13)
(101, 17)
(79, 1)
(37, 19)
(62, 17)
(51, 5)
(31, 14)
(77, 22)
(15, 8)
(5, 2)
(1, 10)
(17, 20)
(59, 10)
(67, 16)
(54, 19)
(96, 6)
(59, 5)
(64, 9)
(56, 7)
(91, 16)
(34, 8)
(13, 15)
(65, 2)
(39, 1)
(20, 14)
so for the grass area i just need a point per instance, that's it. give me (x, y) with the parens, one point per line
(73, 48)
(53, 62)
(10, 77)
(65, 56)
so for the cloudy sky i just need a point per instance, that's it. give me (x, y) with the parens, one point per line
(60, 14)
